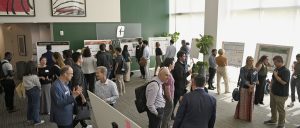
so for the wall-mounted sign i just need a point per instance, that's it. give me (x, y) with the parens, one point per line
(120, 31)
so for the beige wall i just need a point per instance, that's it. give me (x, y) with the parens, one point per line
(32, 32)
(96, 11)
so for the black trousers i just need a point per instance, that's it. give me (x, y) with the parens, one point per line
(260, 90)
(90, 79)
(67, 126)
(9, 89)
(176, 98)
(142, 69)
(295, 83)
(212, 73)
(154, 120)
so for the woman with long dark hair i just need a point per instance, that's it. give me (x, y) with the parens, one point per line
(89, 68)
(262, 68)
(127, 59)
(33, 89)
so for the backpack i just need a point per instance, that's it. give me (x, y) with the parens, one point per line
(103, 59)
(140, 97)
(2, 75)
(124, 68)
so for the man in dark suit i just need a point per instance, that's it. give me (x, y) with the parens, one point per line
(197, 109)
(62, 99)
(179, 73)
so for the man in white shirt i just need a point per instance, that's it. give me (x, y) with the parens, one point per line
(105, 88)
(155, 100)
(171, 50)
(146, 55)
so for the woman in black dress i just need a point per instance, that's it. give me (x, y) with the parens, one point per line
(127, 59)
(45, 80)
(158, 54)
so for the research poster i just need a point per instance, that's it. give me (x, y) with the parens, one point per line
(105, 114)
(273, 50)
(234, 52)
(194, 53)
(94, 45)
(163, 41)
(57, 46)
(131, 42)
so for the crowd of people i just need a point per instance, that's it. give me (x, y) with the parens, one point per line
(59, 84)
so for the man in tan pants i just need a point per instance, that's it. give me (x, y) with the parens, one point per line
(279, 92)
(221, 61)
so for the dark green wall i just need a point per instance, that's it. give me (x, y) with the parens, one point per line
(152, 14)
(75, 33)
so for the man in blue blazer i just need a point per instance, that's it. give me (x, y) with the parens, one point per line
(197, 109)
(62, 99)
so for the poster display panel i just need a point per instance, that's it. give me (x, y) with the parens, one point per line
(131, 42)
(94, 45)
(163, 41)
(57, 46)
(234, 52)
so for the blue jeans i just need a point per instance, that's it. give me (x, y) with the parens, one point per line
(33, 106)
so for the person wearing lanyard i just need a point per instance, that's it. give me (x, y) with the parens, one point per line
(62, 99)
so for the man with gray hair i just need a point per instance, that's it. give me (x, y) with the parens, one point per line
(63, 99)
(105, 88)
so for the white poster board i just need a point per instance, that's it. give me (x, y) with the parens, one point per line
(273, 50)
(163, 41)
(57, 46)
(194, 53)
(105, 114)
(234, 52)
(94, 45)
(131, 42)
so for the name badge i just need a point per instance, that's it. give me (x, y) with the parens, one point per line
(67, 93)
(46, 71)
(255, 72)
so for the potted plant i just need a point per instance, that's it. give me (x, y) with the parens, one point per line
(174, 36)
(204, 43)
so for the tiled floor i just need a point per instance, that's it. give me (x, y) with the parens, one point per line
(225, 111)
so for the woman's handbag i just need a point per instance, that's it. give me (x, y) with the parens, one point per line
(143, 62)
(236, 91)
(83, 112)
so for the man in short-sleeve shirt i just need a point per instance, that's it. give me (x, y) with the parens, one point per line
(279, 92)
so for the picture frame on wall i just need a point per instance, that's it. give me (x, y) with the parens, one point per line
(17, 8)
(68, 8)
(22, 45)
